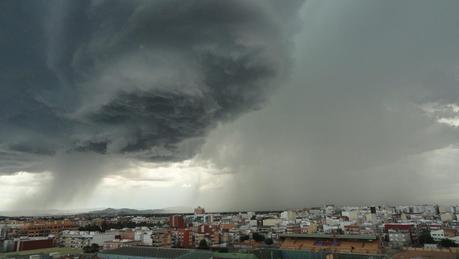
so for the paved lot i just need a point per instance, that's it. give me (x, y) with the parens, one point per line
(424, 255)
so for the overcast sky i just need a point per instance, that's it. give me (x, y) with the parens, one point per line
(228, 104)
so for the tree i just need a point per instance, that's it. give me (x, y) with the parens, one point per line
(269, 241)
(339, 232)
(447, 243)
(87, 249)
(243, 238)
(425, 237)
(258, 237)
(94, 248)
(203, 244)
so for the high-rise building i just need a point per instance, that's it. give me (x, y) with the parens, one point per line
(182, 238)
(177, 221)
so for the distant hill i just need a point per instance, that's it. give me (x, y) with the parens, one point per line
(124, 211)
(127, 211)
(106, 212)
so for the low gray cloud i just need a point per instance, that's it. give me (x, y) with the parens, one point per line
(367, 116)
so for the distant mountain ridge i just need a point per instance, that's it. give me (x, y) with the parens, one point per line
(124, 211)
(128, 211)
(107, 211)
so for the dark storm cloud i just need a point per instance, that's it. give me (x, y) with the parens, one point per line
(147, 79)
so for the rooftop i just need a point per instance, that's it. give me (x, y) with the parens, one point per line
(330, 236)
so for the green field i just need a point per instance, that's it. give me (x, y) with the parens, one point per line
(60, 250)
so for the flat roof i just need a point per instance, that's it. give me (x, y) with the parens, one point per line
(330, 236)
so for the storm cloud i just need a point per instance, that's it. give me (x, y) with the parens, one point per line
(243, 104)
(146, 79)
(130, 80)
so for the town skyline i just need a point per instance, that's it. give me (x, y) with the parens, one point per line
(428, 230)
